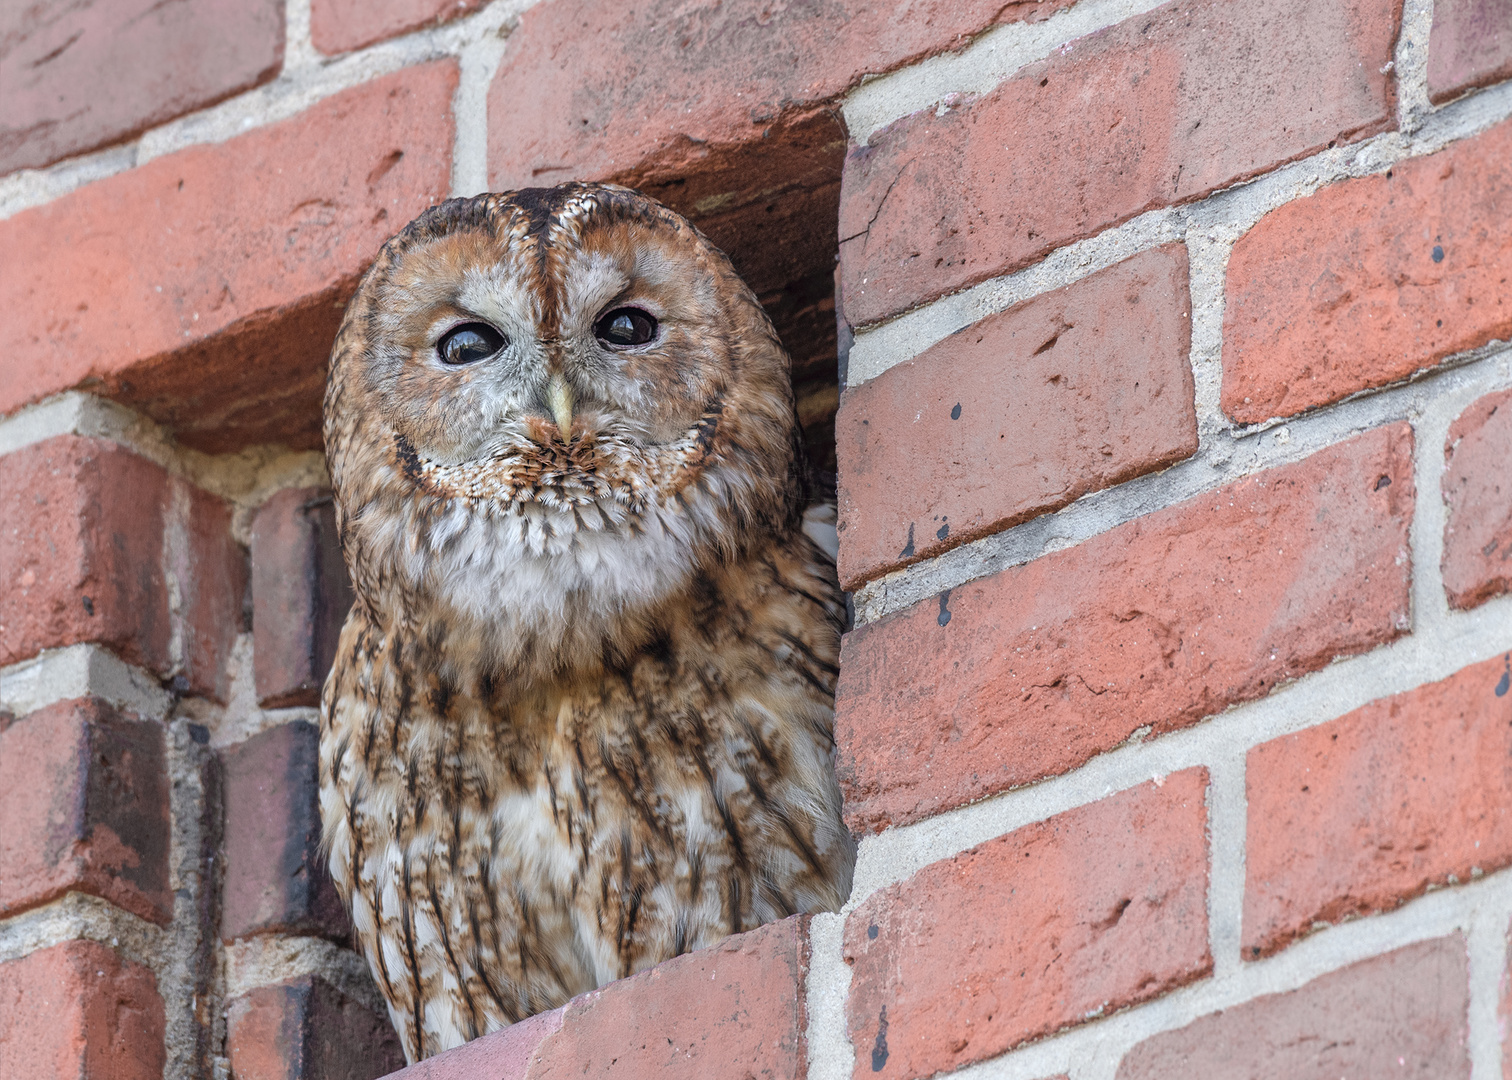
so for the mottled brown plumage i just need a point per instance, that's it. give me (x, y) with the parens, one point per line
(581, 716)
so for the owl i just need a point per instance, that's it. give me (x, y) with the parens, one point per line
(581, 715)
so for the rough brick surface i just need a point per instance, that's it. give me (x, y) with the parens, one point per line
(1157, 623)
(1021, 413)
(300, 596)
(1471, 45)
(1402, 1014)
(1159, 109)
(1477, 560)
(1363, 813)
(81, 550)
(339, 25)
(77, 1011)
(85, 74)
(275, 873)
(736, 1009)
(205, 287)
(305, 1029)
(84, 798)
(211, 571)
(1370, 280)
(1086, 912)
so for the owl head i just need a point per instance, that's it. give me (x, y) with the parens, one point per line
(548, 411)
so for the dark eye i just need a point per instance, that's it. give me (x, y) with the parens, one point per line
(469, 343)
(625, 326)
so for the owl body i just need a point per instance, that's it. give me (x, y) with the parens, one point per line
(581, 715)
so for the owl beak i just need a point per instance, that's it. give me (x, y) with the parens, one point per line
(559, 399)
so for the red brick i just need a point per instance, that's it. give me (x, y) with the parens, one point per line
(305, 1029)
(1156, 623)
(77, 1011)
(1470, 45)
(1402, 1014)
(83, 75)
(300, 596)
(500, 1055)
(1157, 110)
(735, 1009)
(275, 873)
(84, 795)
(1021, 413)
(1477, 561)
(723, 111)
(1087, 912)
(81, 553)
(1370, 280)
(1365, 812)
(205, 287)
(211, 570)
(337, 26)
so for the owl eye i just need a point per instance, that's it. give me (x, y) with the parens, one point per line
(469, 343)
(625, 326)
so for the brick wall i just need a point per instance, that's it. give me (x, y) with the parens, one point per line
(1174, 413)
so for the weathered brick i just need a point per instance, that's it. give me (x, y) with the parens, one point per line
(1470, 45)
(499, 1055)
(337, 26)
(1154, 624)
(86, 74)
(1401, 1014)
(84, 798)
(1477, 562)
(205, 287)
(1504, 1005)
(305, 1029)
(1370, 280)
(1084, 913)
(1365, 812)
(81, 550)
(1162, 108)
(77, 1011)
(300, 596)
(735, 128)
(275, 874)
(1024, 412)
(211, 571)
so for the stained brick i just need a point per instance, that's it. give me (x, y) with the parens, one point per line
(1370, 280)
(1477, 562)
(82, 75)
(1156, 623)
(84, 798)
(211, 571)
(1162, 108)
(1402, 1014)
(81, 551)
(1084, 913)
(77, 1011)
(305, 1029)
(275, 874)
(205, 287)
(1470, 45)
(1363, 813)
(337, 26)
(300, 596)
(724, 112)
(1021, 413)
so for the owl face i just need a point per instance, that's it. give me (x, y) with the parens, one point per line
(563, 393)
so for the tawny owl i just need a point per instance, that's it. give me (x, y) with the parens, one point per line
(580, 720)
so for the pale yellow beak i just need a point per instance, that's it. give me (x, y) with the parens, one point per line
(559, 400)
